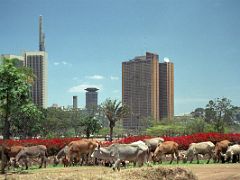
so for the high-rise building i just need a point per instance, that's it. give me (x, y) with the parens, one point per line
(147, 89)
(140, 89)
(91, 97)
(166, 90)
(37, 61)
(75, 104)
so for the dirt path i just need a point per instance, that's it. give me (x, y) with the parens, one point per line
(202, 171)
(215, 171)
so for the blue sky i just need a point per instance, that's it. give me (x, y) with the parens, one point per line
(87, 40)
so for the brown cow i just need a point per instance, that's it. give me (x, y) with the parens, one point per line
(220, 147)
(10, 152)
(167, 147)
(80, 148)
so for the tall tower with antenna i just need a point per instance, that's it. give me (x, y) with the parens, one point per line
(37, 61)
(41, 35)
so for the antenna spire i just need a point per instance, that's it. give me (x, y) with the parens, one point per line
(41, 35)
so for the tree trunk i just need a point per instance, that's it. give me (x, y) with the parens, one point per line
(111, 133)
(88, 134)
(4, 159)
(6, 135)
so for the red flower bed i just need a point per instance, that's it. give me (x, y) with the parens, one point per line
(185, 141)
(54, 145)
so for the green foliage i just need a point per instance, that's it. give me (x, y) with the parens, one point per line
(90, 125)
(114, 112)
(26, 122)
(220, 112)
(14, 92)
(161, 130)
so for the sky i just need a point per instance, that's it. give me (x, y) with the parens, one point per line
(87, 41)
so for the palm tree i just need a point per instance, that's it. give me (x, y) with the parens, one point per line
(114, 111)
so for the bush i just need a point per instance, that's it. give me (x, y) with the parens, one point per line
(55, 144)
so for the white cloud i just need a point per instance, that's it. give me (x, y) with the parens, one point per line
(96, 77)
(80, 88)
(114, 78)
(64, 63)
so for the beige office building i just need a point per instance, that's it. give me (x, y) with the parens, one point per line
(147, 89)
(140, 90)
(166, 90)
(37, 61)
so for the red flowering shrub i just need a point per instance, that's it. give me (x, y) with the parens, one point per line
(185, 141)
(54, 145)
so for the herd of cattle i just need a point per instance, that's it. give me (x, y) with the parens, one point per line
(87, 151)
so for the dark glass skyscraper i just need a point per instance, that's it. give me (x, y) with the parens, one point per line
(91, 97)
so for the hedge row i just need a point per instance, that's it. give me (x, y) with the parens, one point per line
(54, 145)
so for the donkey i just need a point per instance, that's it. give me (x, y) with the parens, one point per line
(61, 154)
(39, 151)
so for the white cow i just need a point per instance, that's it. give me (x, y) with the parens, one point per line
(232, 150)
(199, 148)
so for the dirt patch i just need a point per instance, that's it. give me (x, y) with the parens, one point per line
(202, 172)
(158, 173)
(215, 171)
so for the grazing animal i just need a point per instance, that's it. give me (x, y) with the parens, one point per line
(10, 153)
(145, 149)
(80, 148)
(39, 151)
(220, 147)
(61, 155)
(199, 148)
(231, 151)
(119, 153)
(152, 145)
(167, 147)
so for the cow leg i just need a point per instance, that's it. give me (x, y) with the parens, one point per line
(177, 156)
(26, 163)
(45, 162)
(42, 159)
(172, 158)
(197, 158)
(117, 164)
(210, 156)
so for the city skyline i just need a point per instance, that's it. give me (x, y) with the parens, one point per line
(201, 38)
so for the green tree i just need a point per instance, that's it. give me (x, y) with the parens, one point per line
(57, 122)
(27, 121)
(220, 112)
(14, 92)
(114, 111)
(90, 125)
(198, 113)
